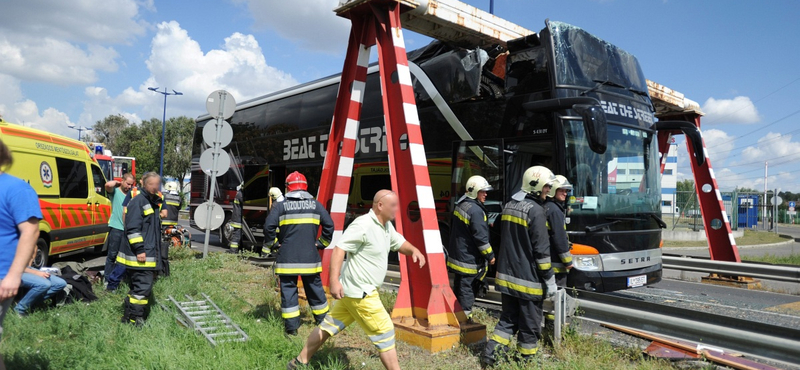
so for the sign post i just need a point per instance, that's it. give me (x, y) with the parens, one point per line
(215, 161)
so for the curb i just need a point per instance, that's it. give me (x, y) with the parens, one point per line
(755, 246)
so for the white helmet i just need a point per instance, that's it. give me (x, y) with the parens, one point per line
(536, 178)
(561, 183)
(476, 184)
(275, 193)
(171, 186)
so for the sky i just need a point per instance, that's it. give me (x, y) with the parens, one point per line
(75, 62)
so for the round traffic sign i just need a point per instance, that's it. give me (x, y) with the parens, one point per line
(776, 200)
(220, 103)
(207, 162)
(202, 212)
(210, 133)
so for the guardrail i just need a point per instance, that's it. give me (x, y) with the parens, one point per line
(749, 269)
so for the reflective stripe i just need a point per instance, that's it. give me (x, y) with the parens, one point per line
(383, 342)
(319, 310)
(236, 225)
(169, 223)
(468, 313)
(134, 300)
(298, 268)
(543, 263)
(236, 201)
(324, 242)
(171, 203)
(559, 268)
(520, 285)
(299, 218)
(291, 312)
(132, 262)
(515, 220)
(147, 210)
(134, 238)
(486, 249)
(528, 349)
(463, 218)
(547, 223)
(565, 257)
(234, 245)
(331, 325)
(462, 267)
(501, 337)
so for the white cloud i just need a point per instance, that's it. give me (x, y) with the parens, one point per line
(719, 145)
(313, 24)
(65, 42)
(737, 110)
(177, 62)
(775, 147)
(15, 108)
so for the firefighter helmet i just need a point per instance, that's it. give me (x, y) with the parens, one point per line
(296, 181)
(275, 193)
(561, 183)
(476, 184)
(171, 186)
(536, 178)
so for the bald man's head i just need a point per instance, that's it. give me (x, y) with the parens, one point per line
(385, 204)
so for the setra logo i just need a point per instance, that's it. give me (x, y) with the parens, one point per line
(46, 173)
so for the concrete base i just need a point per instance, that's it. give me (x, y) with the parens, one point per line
(437, 339)
(735, 282)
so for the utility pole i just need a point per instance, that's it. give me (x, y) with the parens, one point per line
(764, 216)
(164, 125)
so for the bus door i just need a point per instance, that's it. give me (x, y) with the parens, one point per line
(484, 158)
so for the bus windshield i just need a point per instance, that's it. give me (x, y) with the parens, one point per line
(584, 60)
(623, 180)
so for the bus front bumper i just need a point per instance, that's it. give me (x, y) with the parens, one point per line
(609, 281)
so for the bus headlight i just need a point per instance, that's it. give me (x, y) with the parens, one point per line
(588, 263)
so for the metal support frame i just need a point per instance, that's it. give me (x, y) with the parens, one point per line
(721, 244)
(207, 318)
(425, 296)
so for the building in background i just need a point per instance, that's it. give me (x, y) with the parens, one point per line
(669, 181)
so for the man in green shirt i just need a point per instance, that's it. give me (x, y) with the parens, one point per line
(367, 243)
(117, 190)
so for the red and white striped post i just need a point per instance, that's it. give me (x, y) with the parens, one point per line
(426, 312)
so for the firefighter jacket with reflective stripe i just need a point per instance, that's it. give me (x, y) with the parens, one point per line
(143, 229)
(523, 260)
(469, 246)
(299, 218)
(557, 230)
(172, 203)
(236, 213)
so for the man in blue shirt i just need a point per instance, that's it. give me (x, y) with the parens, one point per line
(117, 191)
(19, 231)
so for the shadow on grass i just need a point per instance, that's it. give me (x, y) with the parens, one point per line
(33, 361)
(266, 311)
(332, 357)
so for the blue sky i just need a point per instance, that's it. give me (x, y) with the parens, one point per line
(78, 61)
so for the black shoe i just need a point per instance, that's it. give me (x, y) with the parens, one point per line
(291, 333)
(295, 364)
(318, 322)
(232, 251)
(138, 322)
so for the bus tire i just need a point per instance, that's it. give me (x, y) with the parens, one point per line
(225, 234)
(42, 255)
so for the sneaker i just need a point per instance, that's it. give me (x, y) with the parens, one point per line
(295, 364)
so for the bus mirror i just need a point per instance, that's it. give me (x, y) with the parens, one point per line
(692, 134)
(595, 124)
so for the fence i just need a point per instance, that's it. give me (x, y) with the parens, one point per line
(745, 210)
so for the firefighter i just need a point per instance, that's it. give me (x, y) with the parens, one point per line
(554, 208)
(524, 273)
(142, 254)
(469, 248)
(170, 210)
(275, 195)
(299, 217)
(236, 220)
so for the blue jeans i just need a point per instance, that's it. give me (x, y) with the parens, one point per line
(39, 289)
(113, 241)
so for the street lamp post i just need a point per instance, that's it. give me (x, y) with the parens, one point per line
(80, 129)
(163, 123)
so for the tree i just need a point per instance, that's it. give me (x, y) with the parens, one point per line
(685, 186)
(143, 141)
(109, 131)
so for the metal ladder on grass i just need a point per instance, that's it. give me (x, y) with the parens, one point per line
(207, 318)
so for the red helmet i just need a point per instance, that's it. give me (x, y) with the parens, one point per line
(296, 181)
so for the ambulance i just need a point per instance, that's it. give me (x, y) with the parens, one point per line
(70, 185)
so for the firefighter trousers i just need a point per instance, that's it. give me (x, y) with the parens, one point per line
(519, 317)
(164, 272)
(290, 307)
(137, 301)
(464, 289)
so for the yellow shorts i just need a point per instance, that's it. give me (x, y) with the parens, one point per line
(370, 315)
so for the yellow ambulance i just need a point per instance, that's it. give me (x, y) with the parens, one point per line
(70, 185)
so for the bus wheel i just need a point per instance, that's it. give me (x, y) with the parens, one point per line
(225, 233)
(42, 254)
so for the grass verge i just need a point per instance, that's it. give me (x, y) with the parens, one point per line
(750, 237)
(792, 259)
(90, 336)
